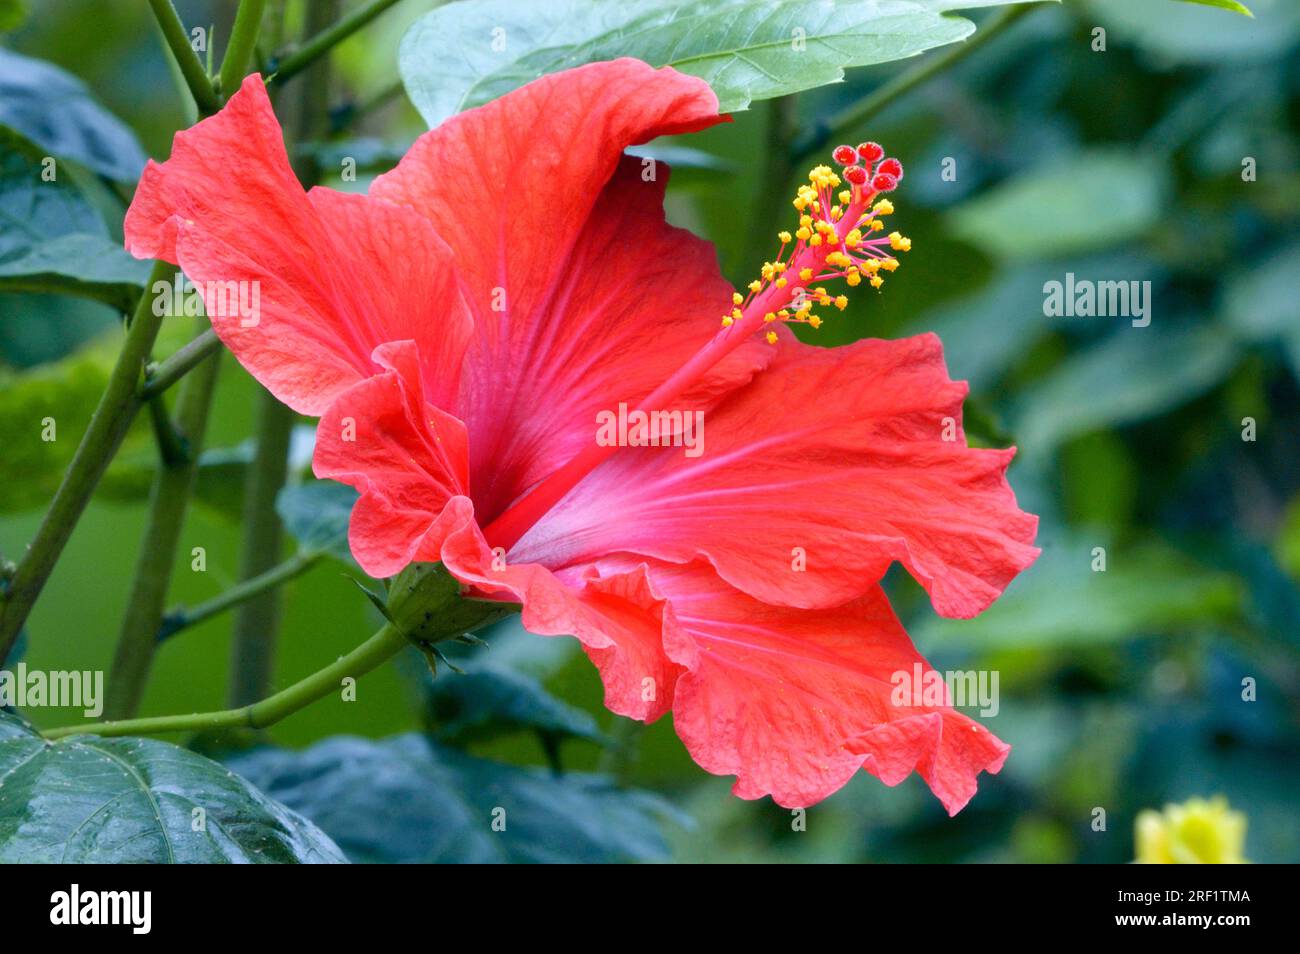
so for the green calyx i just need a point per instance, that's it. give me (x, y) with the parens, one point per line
(427, 604)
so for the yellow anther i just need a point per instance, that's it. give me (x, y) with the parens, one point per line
(877, 281)
(755, 285)
(727, 321)
(871, 265)
(889, 264)
(779, 266)
(770, 317)
(771, 337)
(876, 225)
(883, 207)
(853, 279)
(737, 314)
(805, 221)
(845, 197)
(804, 234)
(767, 271)
(842, 302)
(899, 242)
(800, 203)
(805, 274)
(814, 321)
(780, 283)
(783, 236)
(737, 298)
(815, 240)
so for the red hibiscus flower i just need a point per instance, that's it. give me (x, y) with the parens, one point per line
(464, 329)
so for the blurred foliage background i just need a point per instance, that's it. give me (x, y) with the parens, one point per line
(1120, 690)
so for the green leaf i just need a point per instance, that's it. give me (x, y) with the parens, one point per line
(12, 13)
(66, 392)
(407, 799)
(1232, 5)
(489, 701)
(316, 514)
(1261, 303)
(1190, 33)
(1132, 375)
(52, 239)
(1090, 200)
(80, 264)
(86, 799)
(1146, 589)
(745, 49)
(54, 109)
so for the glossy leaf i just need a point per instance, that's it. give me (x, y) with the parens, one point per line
(127, 800)
(489, 701)
(465, 54)
(51, 238)
(316, 514)
(55, 111)
(406, 799)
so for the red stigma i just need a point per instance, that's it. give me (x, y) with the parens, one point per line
(890, 167)
(845, 155)
(884, 182)
(856, 175)
(870, 151)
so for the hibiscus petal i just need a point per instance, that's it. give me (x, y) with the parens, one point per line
(616, 616)
(793, 702)
(409, 461)
(336, 274)
(405, 456)
(836, 458)
(583, 296)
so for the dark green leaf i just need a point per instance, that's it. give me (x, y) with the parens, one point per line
(316, 514)
(127, 800)
(407, 799)
(489, 701)
(80, 264)
(54, 109)
(52, 239)
(745, 49)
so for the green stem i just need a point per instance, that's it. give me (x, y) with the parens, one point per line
(159, 377)
(172, 445)
(851, 118)
(117, 407)
(369, 655)
(178, 619)
(326, 40)
(258, 617)
(257, 620)
(243, 40)
(168, 501)
(192, 68)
